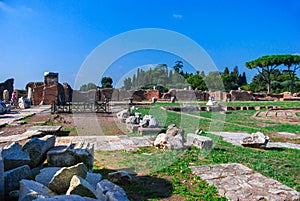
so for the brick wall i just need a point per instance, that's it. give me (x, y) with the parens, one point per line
(37, 95)
(149, 94)
(50, 94)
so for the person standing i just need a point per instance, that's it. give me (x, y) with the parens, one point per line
(14, 98)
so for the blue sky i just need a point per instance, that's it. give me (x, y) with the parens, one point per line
(38, 36)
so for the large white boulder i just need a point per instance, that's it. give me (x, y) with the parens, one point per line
(256, 140)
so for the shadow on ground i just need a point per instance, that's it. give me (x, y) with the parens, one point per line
(143, 188)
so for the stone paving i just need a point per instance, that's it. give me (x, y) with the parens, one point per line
(109, 143)
(237, 182)
(235, 138)
(16, 115)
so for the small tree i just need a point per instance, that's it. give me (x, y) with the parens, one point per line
(106, 82)
(265, 65)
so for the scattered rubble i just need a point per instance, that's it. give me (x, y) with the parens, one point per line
(55, 183)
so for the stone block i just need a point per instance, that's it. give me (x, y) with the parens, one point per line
(93, 179)
(37, 148)
(61, 180)
(200, 142)
(66, 198)
(106, 186)
(14, 176)
(116, 196)
(62, 156)
(168, 142)
(16, 159)
(14, 147)
(147, 131)
(256, 140)
(120, 177)
(30, 190)
(46, 174)
(79, 186)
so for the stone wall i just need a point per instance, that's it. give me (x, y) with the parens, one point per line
(114, 95)
(240, 95)
(182, 94)
(220, 95)
(8, 85)
(82, 96)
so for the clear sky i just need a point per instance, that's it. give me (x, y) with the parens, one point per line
(57, 35)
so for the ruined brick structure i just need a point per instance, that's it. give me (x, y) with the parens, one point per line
(241, 95)
(7, 85)
(182, 94)
(48, 91)
(220, 95)
(51, 91)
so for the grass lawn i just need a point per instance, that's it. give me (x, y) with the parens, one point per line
(165, 175)
(178, 182)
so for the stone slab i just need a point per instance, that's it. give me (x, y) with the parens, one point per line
(235, 138)
(17, 115)
(146, 131)
(48, 129)
(238, 182)
(16, 138)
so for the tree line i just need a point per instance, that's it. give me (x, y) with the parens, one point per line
(276, 74)
(163, 78)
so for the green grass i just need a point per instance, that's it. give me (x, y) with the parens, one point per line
(169, 170)
(279, 164)
(286, 104)
(241, 120)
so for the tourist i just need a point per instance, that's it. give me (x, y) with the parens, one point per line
(14, 98)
